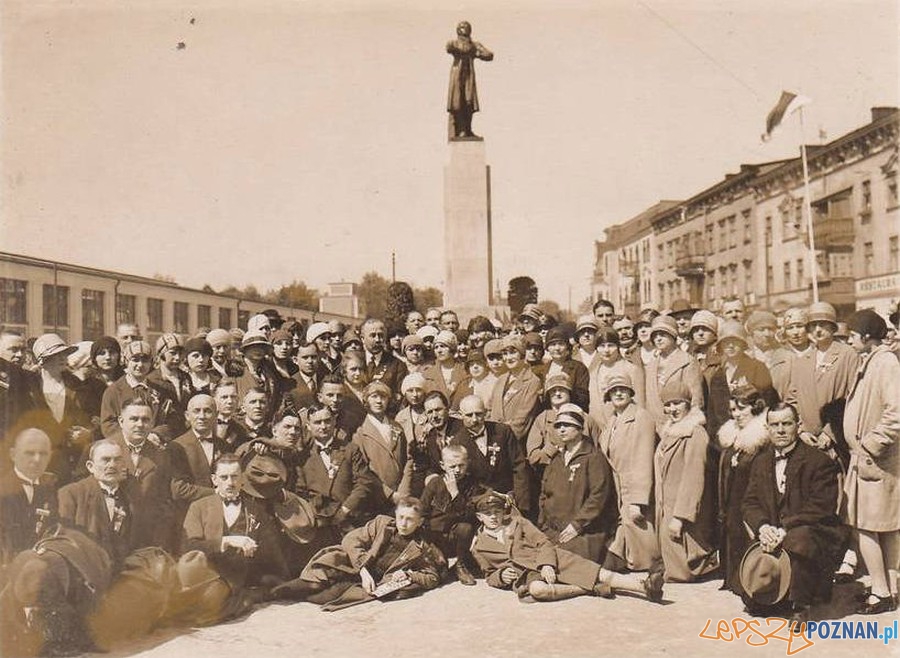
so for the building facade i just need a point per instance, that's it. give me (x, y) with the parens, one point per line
(746, 237)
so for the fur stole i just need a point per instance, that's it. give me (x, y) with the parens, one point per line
(674, 430)
(748, 440)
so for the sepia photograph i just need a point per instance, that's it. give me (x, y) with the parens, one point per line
(433, 328)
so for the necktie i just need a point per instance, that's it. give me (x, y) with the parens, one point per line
(28, 487)
(232, 502)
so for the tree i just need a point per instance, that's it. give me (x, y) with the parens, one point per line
(426, 298)
(522, 290)
(399, 302)
(167, 278)
(296, 294)
(372, 291)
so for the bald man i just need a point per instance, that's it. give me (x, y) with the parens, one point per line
(28, 503)
(194, 452)
(496, 458)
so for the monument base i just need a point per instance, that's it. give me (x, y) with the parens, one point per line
(467, 226)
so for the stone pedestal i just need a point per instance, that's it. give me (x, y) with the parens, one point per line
(468, 268)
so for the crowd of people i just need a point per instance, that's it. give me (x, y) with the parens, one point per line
(185, 482)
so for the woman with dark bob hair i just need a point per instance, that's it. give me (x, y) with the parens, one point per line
(741, 439)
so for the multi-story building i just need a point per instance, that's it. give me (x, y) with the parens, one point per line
(625, 261)
(746, 236)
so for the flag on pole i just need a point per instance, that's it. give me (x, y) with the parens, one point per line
(786, 105)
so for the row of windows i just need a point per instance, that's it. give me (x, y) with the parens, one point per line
(55, 312)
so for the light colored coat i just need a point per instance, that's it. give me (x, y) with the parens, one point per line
(677, 368)
(812, 389)
(514, 402)
(600, 410)
(680, 469)
(872, 430)
(385, 459)
(628, 442)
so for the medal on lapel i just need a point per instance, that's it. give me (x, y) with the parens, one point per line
(42, 513)
(118, 519)
(493, 451)
(573, 468)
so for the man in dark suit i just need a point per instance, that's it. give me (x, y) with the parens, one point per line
(27, 494)
(238, 535)
(256, 422)
(305, 380)
(14, 388)
(791, 503)
(193, 454)
(333, 475)
(104, 505)
(425, 455)
(381, 365)
(149, 465)
(495, 457)
(228, 429)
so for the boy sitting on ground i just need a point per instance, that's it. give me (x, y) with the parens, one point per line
(389, 556)
(515, 555)
(447, 501)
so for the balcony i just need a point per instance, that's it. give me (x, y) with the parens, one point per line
(629, 268)
(833, 232)
(688, 264)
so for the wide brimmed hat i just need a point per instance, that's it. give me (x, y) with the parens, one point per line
(297, 518)
(264, 475)
(557, 380)
(49, 345)
(733, 330)
(570, 414)
(765, 577)
(255, 339)
(316, 330)
(705, 319)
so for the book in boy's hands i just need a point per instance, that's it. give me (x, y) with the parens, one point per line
(398, 581)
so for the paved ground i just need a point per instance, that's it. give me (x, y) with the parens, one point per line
(480, 621)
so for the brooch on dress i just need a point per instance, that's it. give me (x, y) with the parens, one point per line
(572, 469)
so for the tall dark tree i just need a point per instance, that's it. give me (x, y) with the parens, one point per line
(399, 302)
(522, 290)
(426, 298)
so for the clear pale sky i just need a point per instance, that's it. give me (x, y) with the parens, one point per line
(307, 140)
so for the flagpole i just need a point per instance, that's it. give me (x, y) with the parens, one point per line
(807, 205)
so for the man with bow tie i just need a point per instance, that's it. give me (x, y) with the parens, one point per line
(496, 458)
(27, 494)
(104, 505)
(238, 535)
(333, 475)
(791, 503)
(256, 423)
(228, 429)
(194, 452)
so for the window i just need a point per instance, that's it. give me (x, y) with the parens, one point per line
(748, 228)
(711, 285)
(867, 197)
(892, 192)
(710, 239)
(734, 279)
(56, 307)
(723, 236)
(154, 314)
(204, 315)
(180, 316)
(748, 277)
(126, 312)
(893, 255)
(225, 318)
(799, 272)
(92, 314)
(770, 278)
(868, 259)
(732, 232)
(787, 275)
(13, 304)
(769, 231)
(839, 264)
